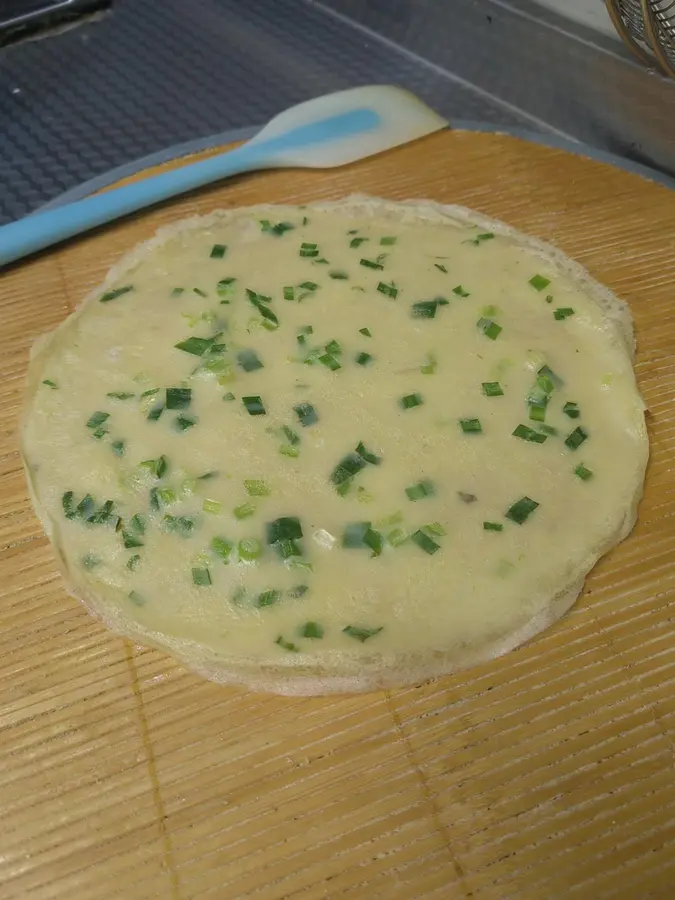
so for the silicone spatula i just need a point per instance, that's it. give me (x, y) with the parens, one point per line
(322, 133)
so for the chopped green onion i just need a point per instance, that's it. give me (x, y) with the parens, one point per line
(311, 630)
(563, 312)
(492, 389)
(357, 241)
(360, 633)
(182, 525)
(572, 410)
(255, 487)
(85, 508)
(362, 359)
(286, 528)
(481, 238)
(244, 511)
(538, 410)
(441, 268)
(306, 414)
(137, 523)
(371, 264)
(525, 433)
(196, 346)
(460, 292)
(229, 396)
(157, 466)
(90, 561)
(118, 448)
(96, 419)
(397, 536)
(429, 367)
(199, 292)
(178, 398)
(388, 241)
(352, 464)
(521, 510)
(248, 360)
(338, 275)
(389, 290)
(131, 540)
(493, 526)
(287, 645)
(68, 504)
(582, 472)
(267, 598)
(249, 549)
(277, 229)
(166, 495)
(136, 598)
(489, 328)
(576, 438)
(470, 426)
(425, 309)
(330, 361)
(212, 506)
(553, 380)
(424, 488)
(365, 331)
(254, 406)
(200, 575)
(361, 534)
(120, 395)
(222, 549)
(538, 282)
(261, 301)
(425, 542)
(182, 423)
(53, 384)
(291, 436)
(466, 497)
(410, 401)
(133, 561)
(177, 291)
(308, 249)
(218, 251)
(115, 293)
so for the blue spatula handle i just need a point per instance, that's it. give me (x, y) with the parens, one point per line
(41, 230)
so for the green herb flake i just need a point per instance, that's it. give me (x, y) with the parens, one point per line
(131, 539)
(97, 419)
(249, 361)
(196, 346)
(492, 389)
(178, 398)
(311, 630)
(133, 562)
(222, 549)
(177, 291)
(267, 598)
(520, 511)
(249, 549)
(286, 528)
(360, 633)
(278, 229)
(357, 241)
(115, 293)
(470, 426)
(218, 251)
(118, 447)
(201, 575)
(493, 526)
(410, 401)
(572, 410)
(363, 359)
(158, 466)
(582, 472)
(525, 433)
(389, 290)
(181, 525)
(53, 384)
(388, 241)
(576, 438)
(441, 268)
(361, 534)
(459, 291)
(306, 414)
(424, 309)
(481, 238)
(424, 488)
(371, 263)
(256, 487)
(425, 542)
(366, 332)
(489, 328)
(120, 395)
(213, 507)
(308, 249)
(538, 282)
(229, 396)
(182, 423)
(254, 406)
(563, 312)
(199, 292)
(338, 275)
(287, 645)
(244, 511)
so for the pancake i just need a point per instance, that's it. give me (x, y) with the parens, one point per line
(337, 447)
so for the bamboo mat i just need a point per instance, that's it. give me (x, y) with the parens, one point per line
(544, 775)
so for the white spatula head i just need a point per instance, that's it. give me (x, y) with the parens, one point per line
(340, 128)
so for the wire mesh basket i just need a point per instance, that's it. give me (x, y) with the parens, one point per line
(648, 27)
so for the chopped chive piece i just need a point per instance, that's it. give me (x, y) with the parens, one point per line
(521, 510)
(178, 398)
(429, 367)
(311, 630)
(277, 229)
(182, 423)
(306, 414)
(218, 251)
(118, 448)
(308, 249)
(120, 395)
(96, 419)
(538, 282)
(441, 268)
(460, 292)
(99, 433)
(244, 511)
(212, 506)
(199, 292)
(292, 437)
(103, 515)
(254, 406)
(137, 524)
(85, 508)
(182, 525)
(563, 312)
(538, 410)
(249, 360)
(389, 290)
(157, 466)
(371, 263)
(369, 457)
(54, 385)
(361, 534)
(338, 275)
(149, 393)
(410, 401)
(357, 241)
(177, 291)
(267, 598)
(260, 302)
(466, 497)
(115, 293)
(166, 495)
(489, 328)
(196, 346)
(493, 526)
(200, 575)
(572, 410)
(131, 540)
(582, 472)
(289, 293)
(222, 548)
(249, 549)
(365, 331)
(286, 528)
(331, 362)
(576, 438)
(68, 504)
(424, 488)
(553, 380)
(287, 645)
(470, 426)
(397, 536)
(424, 309)
(136, 598)
(525, 433)
(492, 389)
(333, 347)
(228, 396)
(388, 241)
(425, 542)
(256, 487)
(360, 633)
(133, 561)
(480, 238)
(362, 359)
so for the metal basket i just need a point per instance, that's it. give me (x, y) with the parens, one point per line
(648, 27)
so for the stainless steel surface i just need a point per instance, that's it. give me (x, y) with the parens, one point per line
(154, 73)
(648, 27)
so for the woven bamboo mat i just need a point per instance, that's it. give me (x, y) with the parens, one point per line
(545, 775)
